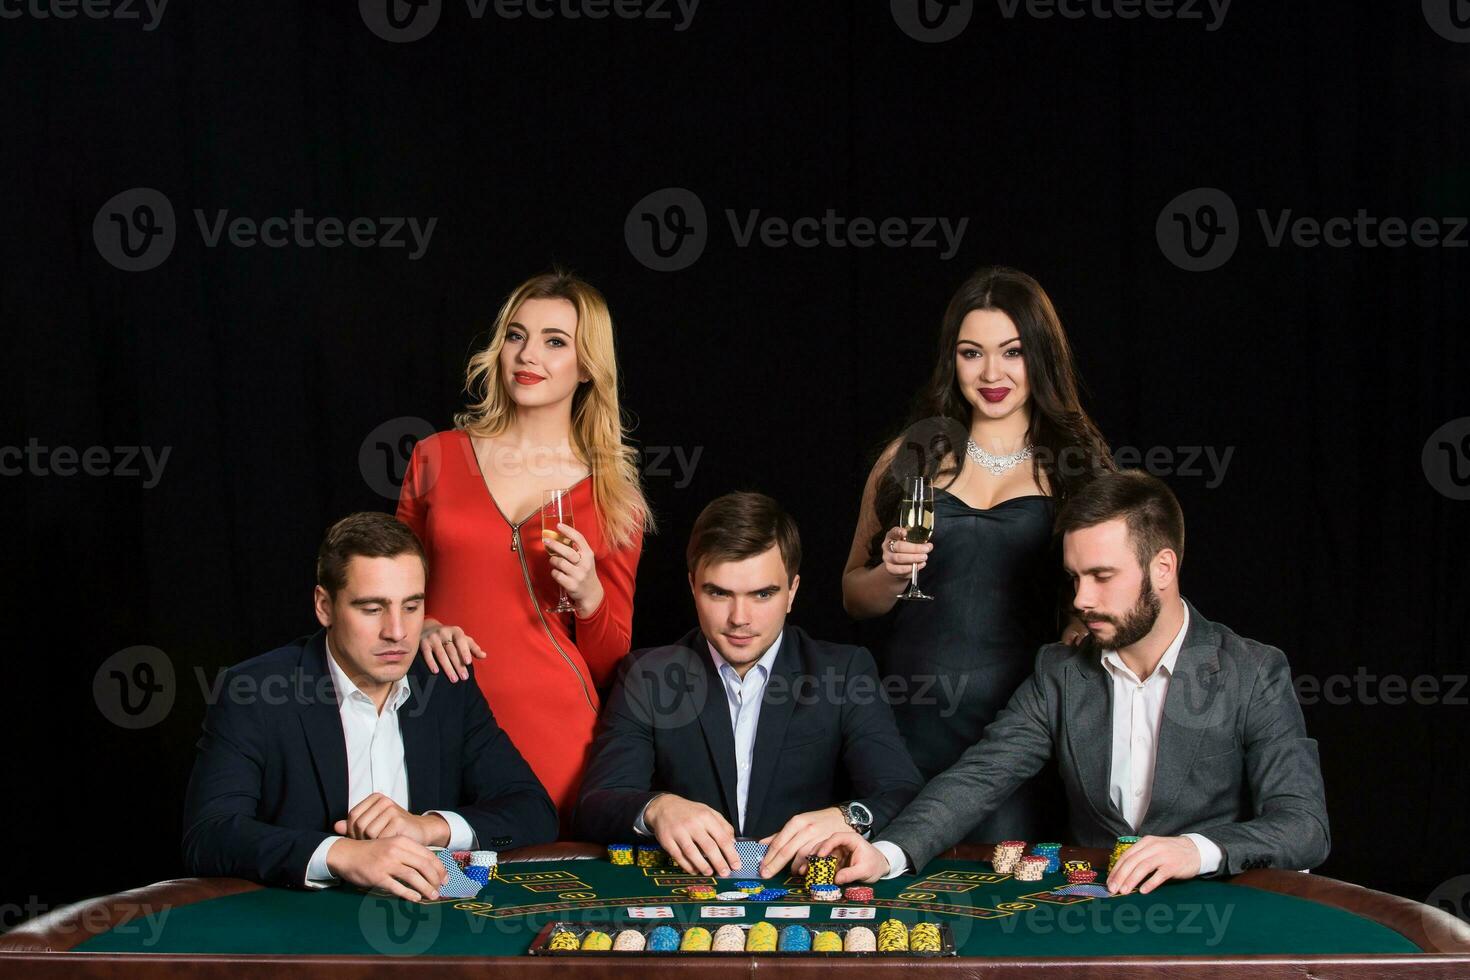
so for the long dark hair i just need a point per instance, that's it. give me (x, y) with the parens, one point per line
(1067, 445)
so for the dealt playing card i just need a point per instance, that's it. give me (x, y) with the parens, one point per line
(650, 912)
(854, 912)
(721, 912)
(789, 912)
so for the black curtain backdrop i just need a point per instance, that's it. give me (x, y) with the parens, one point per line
(274, 376)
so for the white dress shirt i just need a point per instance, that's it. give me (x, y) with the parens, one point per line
(744, 696)
(374, 763)
(1138, 708)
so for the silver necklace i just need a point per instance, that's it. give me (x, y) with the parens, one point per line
(997, 465)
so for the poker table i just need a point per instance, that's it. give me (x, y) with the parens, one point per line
(1260, 924)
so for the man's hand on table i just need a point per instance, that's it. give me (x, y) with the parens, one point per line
(377, 816)
(697, 837)
(799, 838)
(399, 865)
(1153, 861)
(862, 861)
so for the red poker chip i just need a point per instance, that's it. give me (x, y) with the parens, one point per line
(858, 893)
(1034, 858)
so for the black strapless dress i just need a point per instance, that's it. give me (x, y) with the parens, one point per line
(995, 576)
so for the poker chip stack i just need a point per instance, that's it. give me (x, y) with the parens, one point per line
(1007, 854)
(859, 939)
(1031, 867)
(596, 941)
(664, 939)
(750, 887)
(827, 941)
(696, 940)
(620, 854)
(825, 893)
(1119, 849)
(651, 856)
(893, 936)
(1053, 855)
(733, 896)
(704, 893)
(761, 938)
(795, 939)
(729, 938)
(1079, 873)
(769, 895)
(924, 938)
(858, 893)
(478, 865)
(478, 873)
(629, 940)
(820, 871)
(564, 940)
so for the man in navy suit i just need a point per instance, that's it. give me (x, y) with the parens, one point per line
(746, 723)
(338, 758)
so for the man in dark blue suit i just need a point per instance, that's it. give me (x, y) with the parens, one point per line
(747, 722)
(339, 758)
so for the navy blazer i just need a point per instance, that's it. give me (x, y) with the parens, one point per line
(824, 727)
(270, 778)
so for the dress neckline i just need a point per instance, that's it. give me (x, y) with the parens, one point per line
(995, 506)
(480, 472)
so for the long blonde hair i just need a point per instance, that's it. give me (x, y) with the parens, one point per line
(597, 421)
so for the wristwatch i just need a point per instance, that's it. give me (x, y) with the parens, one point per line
(858, 817)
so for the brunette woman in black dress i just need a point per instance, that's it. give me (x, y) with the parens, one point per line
(1001, 432)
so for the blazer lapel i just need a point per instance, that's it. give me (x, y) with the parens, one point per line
(777, 705)
(321, 721)
(420, 744)
(1088, 710)
(714, 720)
(1193, 704)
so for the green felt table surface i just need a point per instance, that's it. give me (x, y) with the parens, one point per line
(989, 915)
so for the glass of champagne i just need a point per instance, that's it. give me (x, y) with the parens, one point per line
(556, 508)
(916, 517)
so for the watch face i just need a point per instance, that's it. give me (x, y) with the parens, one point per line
(859, 813)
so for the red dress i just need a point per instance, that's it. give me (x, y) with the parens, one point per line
(491, 578)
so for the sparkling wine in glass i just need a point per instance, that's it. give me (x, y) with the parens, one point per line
(916, 517)
(556, 508)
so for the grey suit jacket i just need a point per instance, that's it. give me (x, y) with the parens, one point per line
(1234, 761)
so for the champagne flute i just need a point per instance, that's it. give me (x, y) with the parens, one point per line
(556, 508)
(916, 517)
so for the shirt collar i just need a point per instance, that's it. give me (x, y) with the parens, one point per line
(346, 689)
(1166, 662)
(764, 664)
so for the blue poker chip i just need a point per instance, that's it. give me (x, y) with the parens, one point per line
(825, 893)
(769, 895)
(795, 939)
(478, 873)
(664, 939)
(750, 887)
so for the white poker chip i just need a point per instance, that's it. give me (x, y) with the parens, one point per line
(732, 896)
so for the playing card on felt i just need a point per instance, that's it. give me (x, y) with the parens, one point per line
(721, 912)
(650, 911)
(789, 912)
(854, 912)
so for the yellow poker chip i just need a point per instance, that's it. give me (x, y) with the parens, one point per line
(827, 941)
(893, 936)
(696, 940)
(761, 938)
(564, 940)
(597, 941)
(924, 938)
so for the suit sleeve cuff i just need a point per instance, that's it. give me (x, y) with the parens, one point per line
(898, 861)
(1209, 854)
(640, 826)
(317, 873)
(461, 834)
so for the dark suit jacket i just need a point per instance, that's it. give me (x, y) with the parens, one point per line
(1234, 763)
(270, 778)
(666, 728)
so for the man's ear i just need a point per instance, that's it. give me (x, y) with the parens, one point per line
(791, 597)
(323, 604)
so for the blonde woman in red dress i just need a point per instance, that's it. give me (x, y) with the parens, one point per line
(545, 417)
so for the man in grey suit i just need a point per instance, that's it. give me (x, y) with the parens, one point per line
(1164, 724)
